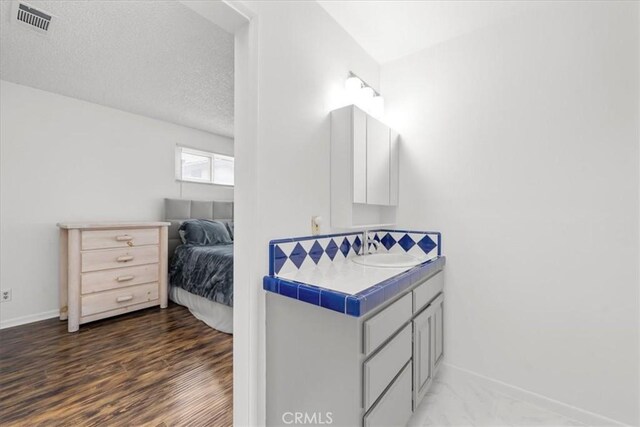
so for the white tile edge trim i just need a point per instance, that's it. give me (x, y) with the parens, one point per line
(17, 321)
(552, 405)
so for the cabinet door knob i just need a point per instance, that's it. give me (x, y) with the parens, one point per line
(124, 278)
(124, 238)
(124, 298)
(124, 258)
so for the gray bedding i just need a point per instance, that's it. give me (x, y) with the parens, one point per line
(206, 271)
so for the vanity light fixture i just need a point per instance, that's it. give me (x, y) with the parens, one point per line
(363, 95)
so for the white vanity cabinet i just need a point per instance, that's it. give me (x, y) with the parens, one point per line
(365, 371)
(364, 169)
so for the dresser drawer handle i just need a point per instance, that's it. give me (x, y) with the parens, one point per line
(124, 238)
(124, 298)
(124, 258)
(124, 278)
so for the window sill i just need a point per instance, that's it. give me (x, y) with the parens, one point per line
(203, 183)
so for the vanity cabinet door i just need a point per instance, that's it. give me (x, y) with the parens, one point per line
(428, 347)
(377, 162)
(423, 343)
(438, 331)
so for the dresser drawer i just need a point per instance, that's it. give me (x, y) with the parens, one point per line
(114, 278)
(104, 239)
(115, 258)
(117, 298)
(395, 407)
(381, 326)
(427, 291)
(382, 368)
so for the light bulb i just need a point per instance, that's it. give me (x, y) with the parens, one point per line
(352, 85)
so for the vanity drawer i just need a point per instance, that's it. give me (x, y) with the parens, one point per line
(104, 239)
(114, 258)
(381, 326)
(394, 408)
(114, 278)
(382, 368)
(118, 298)
(427, 291)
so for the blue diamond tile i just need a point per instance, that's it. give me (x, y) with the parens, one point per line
(426, 244)
(345, 247)
(406, 242)
(279, 258)
(357, 244)
(388, 241)
(298, 254)
(316, 252)
(376, 238)
(331, 249)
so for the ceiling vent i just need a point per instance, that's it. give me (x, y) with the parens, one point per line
(35, 19)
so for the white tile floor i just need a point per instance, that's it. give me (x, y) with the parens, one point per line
(461, 400)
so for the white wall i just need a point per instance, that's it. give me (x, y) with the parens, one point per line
(520, 144)
(68, 160)
(304, 58)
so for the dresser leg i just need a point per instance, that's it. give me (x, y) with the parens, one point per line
(73, 290)
(164, 273)
(62, 274)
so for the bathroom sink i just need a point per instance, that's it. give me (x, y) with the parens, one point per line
(387, 260)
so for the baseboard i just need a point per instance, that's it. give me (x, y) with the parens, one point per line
(23, 320)
(552, 405)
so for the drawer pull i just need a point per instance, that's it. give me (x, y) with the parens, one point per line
(124, 238)
(124, 258)
(124, 298)
(125, 278)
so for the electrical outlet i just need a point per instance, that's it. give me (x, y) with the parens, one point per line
(315, 225)
(5, 295)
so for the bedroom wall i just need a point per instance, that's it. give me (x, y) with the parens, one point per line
(63, 159)
(520, 144)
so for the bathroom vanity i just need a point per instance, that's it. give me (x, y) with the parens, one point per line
(352, 344)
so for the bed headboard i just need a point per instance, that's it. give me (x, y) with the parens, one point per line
(178, 210)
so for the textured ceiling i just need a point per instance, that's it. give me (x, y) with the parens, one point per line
(155, 58)
(389, 30)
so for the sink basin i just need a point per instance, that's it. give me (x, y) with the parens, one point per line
(387, 260)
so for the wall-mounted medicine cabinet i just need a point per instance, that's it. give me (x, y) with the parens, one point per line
(364, 170)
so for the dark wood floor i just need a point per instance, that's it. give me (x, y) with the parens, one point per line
(152, 367)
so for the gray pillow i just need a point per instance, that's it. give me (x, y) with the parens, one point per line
(204, 232)
(229, 225)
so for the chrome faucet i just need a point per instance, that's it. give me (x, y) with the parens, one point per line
(366, 242)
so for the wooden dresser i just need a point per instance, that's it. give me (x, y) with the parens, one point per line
(108, 269)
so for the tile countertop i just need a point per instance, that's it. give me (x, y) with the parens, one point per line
(348, 287)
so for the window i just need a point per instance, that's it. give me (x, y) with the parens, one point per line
(201, 166)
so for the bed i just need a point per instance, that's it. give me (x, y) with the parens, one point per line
(201, 277)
